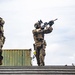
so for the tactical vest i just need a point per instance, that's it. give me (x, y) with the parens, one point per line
(38, 38)
(1, 29)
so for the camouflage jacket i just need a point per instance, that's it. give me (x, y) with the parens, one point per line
(1, 24)
(38, 35)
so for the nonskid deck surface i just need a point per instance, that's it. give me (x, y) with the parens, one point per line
(37, 70)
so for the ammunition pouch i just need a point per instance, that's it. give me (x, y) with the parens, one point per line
(1, 29)
(40, 39)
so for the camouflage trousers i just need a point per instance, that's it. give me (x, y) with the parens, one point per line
(1, 44)
(40, 55)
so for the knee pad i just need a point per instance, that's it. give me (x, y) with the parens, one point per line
(1, 57)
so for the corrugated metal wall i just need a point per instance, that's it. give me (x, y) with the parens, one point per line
(16, 57)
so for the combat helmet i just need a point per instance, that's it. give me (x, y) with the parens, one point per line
(38, 24)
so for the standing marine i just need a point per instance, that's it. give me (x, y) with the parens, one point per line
(2, 38)
(39, 42)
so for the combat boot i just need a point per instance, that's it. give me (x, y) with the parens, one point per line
(41, 64)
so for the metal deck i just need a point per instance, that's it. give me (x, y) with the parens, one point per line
(37, 70)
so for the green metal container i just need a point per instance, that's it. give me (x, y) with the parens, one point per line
(16, 57)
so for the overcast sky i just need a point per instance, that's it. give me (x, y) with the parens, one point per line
(20, 16)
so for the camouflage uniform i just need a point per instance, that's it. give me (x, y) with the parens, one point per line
(40, 43)
(2, 38)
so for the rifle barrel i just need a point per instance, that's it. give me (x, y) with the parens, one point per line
(55, 19)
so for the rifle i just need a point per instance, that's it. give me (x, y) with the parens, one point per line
(50, 23)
